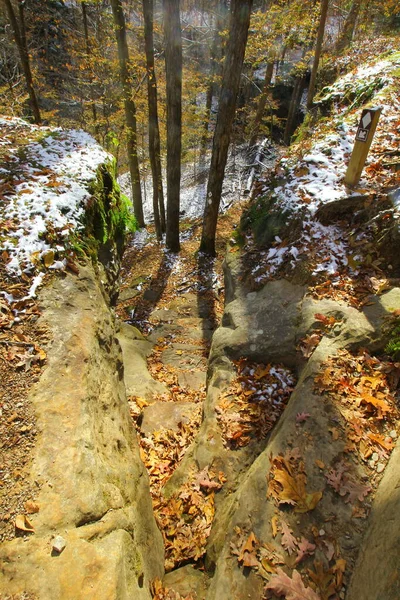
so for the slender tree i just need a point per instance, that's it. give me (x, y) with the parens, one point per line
(298, 89)
(348, 30)
(173, 69)
(317, 54)
(19, 33)
(88, 54)
(238, 32)
(154, 132)
(130, 108)
(215, 56)
(262, 101)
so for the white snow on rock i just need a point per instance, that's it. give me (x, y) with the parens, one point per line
(318, 178)
(52, 170)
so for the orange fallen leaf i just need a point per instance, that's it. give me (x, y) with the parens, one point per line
(31, 507)
(23, 524)
(274, 525)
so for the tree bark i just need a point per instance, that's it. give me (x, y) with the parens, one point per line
(262, 100)
(215, 58)
(130, 108)
(154, 133)
(317, 54)
(20, 40)
(173, 68)
(298, 89)
(88, 54)
(348, 30)
(238, 32)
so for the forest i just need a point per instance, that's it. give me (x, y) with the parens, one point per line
(147, 79)
(199, 299)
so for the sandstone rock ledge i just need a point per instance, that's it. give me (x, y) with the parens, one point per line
(92, 487)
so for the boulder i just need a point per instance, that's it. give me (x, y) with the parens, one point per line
(92, 486)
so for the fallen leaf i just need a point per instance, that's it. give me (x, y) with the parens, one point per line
(288, 541)
(141, 402)
(274, 525)
(324, 579)
(23, 524)
(319, 463)
(31, 507)
(335, 433)
(48, 258)
(293, 588)
(309, 343)
(301, 417)
(268, 565)
(386, 443)
(356, 491)
(250, 560)
(306, 548)
(248, 546)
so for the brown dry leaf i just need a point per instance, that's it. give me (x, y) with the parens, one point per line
(274, 525)
(23, 524)
(141, 402)
(306, 548)
(248, 547)
(288, 540)
(31, 507)
(319, 463)
(292, 588)
(381, 406)
(268, 565)
(309, 343)
(339, 569)
(386, 443)
(40, 353)
(324, 579)
(335, 433)
(48, 258)
(291, 489)
(250, 560)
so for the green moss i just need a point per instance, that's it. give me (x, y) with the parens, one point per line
(393, 346)
(108, 215)
(263, 220)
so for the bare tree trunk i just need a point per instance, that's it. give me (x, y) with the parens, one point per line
(317, 55)
(238, 32)
(173, 68)
(20, 40)
(348, 30)
(298, 89)
(154, 134)
(262, 100)
(130, 108)
(215, 56)
(88, 54)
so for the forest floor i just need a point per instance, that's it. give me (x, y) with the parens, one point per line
(342, 262)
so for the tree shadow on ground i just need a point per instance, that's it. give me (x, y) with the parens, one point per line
(207, 295)
(150, 297)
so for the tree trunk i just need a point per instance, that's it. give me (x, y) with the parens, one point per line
(262, 100)
(88, 54)
(173, 68)
(20, 40)
(298, 89)
(348, 30)
(215, 58)
(317, 55)
(130, 108)
(154, 134)
(238, 31)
